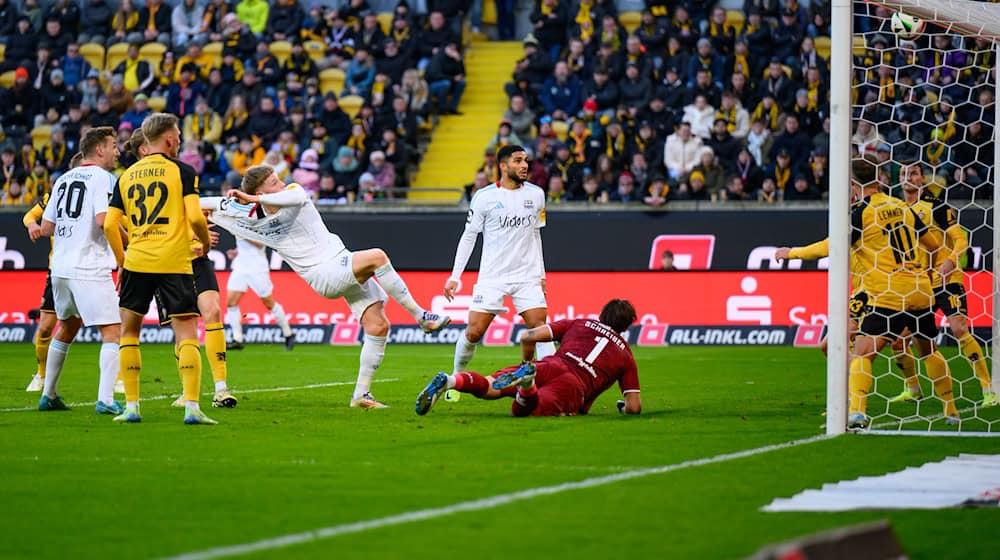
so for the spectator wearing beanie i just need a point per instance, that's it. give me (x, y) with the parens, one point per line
(307, 172)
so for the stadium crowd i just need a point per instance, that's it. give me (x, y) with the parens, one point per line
(696, 102)
(701, 103)
(242, 103)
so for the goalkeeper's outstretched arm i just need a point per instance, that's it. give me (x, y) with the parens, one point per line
(811, 252)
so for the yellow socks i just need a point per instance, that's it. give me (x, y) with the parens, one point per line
(859, 384)
(42, 353)
(189, 365)
(937, 370)
(908, 366)
(130, 361)
(215, 349)
(974, 353)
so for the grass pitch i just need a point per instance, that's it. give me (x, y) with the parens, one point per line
(298, 459)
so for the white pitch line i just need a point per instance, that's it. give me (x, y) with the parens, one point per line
(473, 505)
(239, 392)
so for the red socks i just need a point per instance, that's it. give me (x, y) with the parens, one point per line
(472, 383)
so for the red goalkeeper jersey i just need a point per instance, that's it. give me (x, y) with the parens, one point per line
(597, 355)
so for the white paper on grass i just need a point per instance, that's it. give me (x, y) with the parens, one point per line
(945, 484)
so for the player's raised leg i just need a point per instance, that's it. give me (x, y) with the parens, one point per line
(374, 262)
(376, 328)
(58, 349)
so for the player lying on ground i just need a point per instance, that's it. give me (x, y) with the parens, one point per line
(592, 356)
(251, 271)
(82, 261)
(285, 219)
(510, 214)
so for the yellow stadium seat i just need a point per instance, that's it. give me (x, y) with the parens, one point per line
(351, 104)
(116, 55)
(157, 104)
(215, 51)
(735, 19)
(630, 20)
(7, 79)
(561, 128)
(332, 80)
(152, 53)
(859, 45)
(385, 20)
(315, 49)
(823, 47)
(489, 13)
(93, 53)
(281, 50)
(3, 51)
(41, 136)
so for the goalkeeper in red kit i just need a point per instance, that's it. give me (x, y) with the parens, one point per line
(592, 357)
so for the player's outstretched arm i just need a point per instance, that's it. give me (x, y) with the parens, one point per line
(112, 232)
(532, 336)
(810, 252)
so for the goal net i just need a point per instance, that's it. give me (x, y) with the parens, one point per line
(916, 102)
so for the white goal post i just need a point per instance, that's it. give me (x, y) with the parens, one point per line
(972, 19)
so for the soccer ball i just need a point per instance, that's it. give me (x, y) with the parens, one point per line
(906, 27)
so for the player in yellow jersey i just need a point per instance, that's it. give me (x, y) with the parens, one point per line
(157, 200)
(209, 304)
(949, 290)
(886, 241)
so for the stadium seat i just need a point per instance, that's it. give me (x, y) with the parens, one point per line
(93, 53)
(315, 49)
(859, 45)
(385, 20)
(41, 136)
(7, 79)
(630, 20)
(281, 50)
(3, 51)
(157, 104)
(489, 13)
(561, 128)
(332, 80)
(116, 55)
(153, 54)
(735, 19)
(215, 50)
(351, 104)
(823, 47)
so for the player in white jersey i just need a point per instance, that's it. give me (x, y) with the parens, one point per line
(510, 214)
(285, 219)
(82, 286)
(252, 271)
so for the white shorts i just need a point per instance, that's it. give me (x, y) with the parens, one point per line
(489, 298)
(335, 278)
(259, 282)
(94, 301)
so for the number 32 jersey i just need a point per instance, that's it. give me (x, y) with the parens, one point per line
(597, 355)
(151, 195)
(79, 248)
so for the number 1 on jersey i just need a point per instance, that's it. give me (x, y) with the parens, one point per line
(598, 348)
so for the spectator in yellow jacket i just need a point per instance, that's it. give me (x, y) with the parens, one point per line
(253, 14)
(204, 124)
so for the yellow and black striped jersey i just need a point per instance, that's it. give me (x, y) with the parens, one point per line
(151, 194)
(885, 234)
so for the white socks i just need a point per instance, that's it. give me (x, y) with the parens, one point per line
(109, 372)
(392, 283)
(235, 320)
(544, 349)
(464, 350)
(221, 386)
(53, 368)
(372, 351)
(279, 316)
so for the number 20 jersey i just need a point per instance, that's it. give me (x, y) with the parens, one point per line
(885, 234)
(151, 195)
(79, 248)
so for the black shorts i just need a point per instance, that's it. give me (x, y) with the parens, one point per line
(858, 306)
(204, 281)
(951, 300)
(889, 323)
(48, 302)
(174, 293)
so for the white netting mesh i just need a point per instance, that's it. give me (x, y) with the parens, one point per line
(923, 107)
